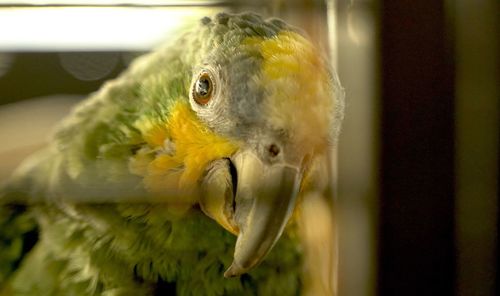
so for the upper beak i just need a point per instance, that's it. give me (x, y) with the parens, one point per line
(264, 200)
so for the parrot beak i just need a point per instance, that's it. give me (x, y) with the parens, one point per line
(264, 200)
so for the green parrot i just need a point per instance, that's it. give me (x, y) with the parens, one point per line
(185, 175)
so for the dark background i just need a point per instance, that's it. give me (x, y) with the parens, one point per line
(35, 74)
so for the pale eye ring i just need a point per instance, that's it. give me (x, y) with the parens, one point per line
(203, 88)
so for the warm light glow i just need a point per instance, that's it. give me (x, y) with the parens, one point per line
(92, 28)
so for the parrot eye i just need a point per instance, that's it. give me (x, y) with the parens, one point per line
(203, 88)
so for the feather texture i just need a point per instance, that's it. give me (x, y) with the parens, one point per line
(115, 194)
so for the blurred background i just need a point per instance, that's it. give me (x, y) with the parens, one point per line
(417, 193)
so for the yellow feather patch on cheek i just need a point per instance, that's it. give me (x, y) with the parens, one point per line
(194, 146)
(154, 133)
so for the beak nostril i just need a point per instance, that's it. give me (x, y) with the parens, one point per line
(274, 150)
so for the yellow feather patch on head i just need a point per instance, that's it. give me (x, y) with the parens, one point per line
(177, 169)
(299, 94)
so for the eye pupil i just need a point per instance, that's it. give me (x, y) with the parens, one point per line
(203, 86)
(203, 89)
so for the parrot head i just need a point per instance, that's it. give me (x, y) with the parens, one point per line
(257, 107)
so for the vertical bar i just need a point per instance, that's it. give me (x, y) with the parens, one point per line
(331, 12)
(331, 20)
(358, 164)
(417, 180)
(478, 92)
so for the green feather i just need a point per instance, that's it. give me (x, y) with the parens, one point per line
(133, 247)
(122, 248)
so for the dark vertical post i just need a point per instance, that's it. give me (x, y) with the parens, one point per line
(417, 179)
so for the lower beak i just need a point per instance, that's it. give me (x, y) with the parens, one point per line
(265, 198)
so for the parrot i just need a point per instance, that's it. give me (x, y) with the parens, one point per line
(188, 174)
